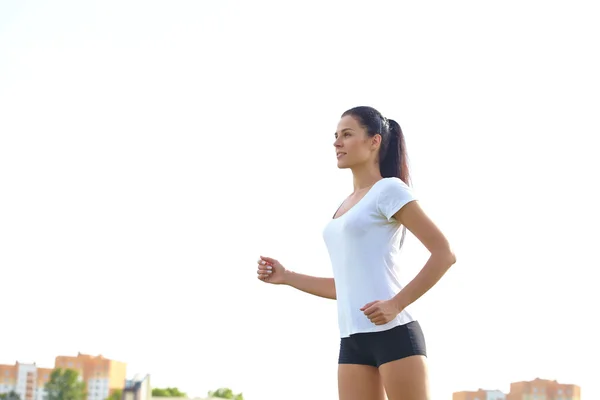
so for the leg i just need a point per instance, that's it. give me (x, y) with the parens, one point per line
(358, 376)
(401, 356)
(406, 378)
(359, 382)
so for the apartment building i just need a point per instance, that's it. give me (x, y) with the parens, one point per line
(480, 394)
(542, 389)
(101, 375)
(27, 380)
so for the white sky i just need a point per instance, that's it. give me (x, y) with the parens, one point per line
(150, 151)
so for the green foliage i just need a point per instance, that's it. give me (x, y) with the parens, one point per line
(116, 395)
(225, 393)
(64, 384)
(12, 395)
(167, 392)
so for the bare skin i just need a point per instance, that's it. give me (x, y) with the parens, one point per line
(404, 379)
(359, 382)
(407, 378)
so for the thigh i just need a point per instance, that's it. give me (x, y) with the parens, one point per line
(406, 379)
(359, 382)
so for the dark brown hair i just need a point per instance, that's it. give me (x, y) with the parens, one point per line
(393, 160)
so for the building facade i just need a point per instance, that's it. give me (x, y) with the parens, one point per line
(27, 380)
(480, 394)
(542, 389)
(101, 376)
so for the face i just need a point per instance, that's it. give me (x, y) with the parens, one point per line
(353, 147)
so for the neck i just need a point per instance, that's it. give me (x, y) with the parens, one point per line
(365, 176)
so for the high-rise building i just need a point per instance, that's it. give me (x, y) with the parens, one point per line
(27, 380)
(542, 389)
(101, 375)
(480, 394)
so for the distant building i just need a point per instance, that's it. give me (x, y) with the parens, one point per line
(480, 394)
(43, 376)
(101, 375)
(138, 388)
(27, 380)
(542, 389)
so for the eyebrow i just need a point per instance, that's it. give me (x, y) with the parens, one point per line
(344, 130)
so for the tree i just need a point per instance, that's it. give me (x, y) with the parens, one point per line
(116, 395)
(167, 392)
(12, 395)
(225, 393)
(64, 384)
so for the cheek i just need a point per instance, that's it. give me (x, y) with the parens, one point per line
(353, 146)
(358, 148)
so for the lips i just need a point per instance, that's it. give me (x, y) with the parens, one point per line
(339, 155)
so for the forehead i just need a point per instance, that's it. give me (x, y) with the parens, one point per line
(348, 122)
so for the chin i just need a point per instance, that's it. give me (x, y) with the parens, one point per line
(341, 165)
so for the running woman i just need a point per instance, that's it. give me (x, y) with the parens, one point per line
(382, 349)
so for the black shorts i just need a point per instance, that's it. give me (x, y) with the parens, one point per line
(377, 348)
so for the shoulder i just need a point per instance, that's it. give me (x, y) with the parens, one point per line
(393, 194)
(393, 184)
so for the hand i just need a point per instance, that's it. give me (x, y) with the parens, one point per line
(271, 271)
(380, 312)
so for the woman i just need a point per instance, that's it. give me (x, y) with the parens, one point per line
(382, 346)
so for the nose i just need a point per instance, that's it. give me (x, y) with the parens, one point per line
(337, 143)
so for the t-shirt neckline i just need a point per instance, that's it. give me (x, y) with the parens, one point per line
(357, 203)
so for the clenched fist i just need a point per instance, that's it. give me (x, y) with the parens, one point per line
(271, 271)
(380, 312)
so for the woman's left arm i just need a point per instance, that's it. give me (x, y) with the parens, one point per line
(442, 257)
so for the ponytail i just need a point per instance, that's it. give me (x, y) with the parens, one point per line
(394, 162)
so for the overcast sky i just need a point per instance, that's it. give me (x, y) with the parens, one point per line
(151, 151)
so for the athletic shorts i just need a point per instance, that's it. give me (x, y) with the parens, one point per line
(377, 348)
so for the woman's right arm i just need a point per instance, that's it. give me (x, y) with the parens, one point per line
(322, 287)
(271, 271)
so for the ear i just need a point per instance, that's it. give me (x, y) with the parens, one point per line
(376, 141)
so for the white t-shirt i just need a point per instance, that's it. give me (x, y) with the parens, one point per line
(364, 244)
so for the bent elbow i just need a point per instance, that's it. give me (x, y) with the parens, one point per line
(447, 258)
(451, 258)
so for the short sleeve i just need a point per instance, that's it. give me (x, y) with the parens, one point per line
(393, 195)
